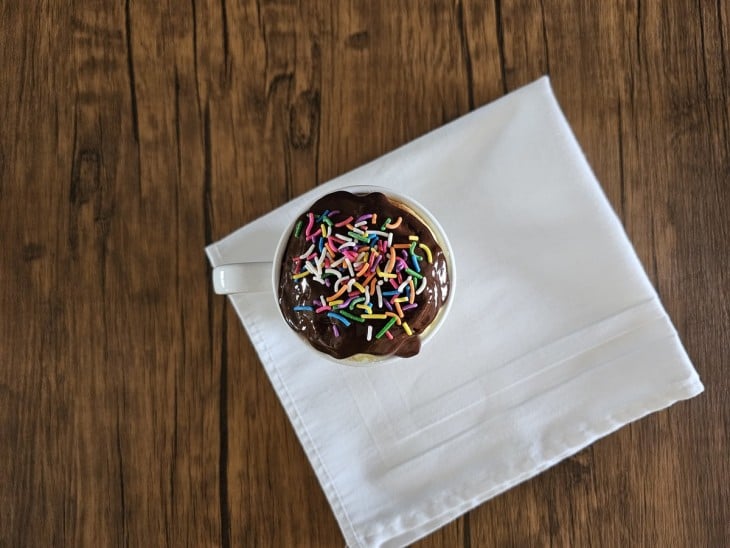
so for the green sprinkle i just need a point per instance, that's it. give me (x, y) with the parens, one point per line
(413, 248)
(414, 273)
(359, 237)
(298, 229)
(346, 314)
(387, 222)
(355, 301)
(328, 221)
(385, 328)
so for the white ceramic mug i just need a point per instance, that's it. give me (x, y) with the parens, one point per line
(264, 276)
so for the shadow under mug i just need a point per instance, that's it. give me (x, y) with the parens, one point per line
(263, 276)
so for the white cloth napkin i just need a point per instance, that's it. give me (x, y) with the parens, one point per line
(555, 339)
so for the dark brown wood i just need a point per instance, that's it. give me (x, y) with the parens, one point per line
(133, 410)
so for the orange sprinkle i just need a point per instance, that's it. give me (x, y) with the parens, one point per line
(413, 290)
(367, 280)
(398, 309)
(372, 287)
(340, 292)
(401, 246)
(396, 224)
(393, 315)
(363, 270)
(391, 261)
(374, 218)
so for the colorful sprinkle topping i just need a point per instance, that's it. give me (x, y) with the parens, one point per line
(363, 274)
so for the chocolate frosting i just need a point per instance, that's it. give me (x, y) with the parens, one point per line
(352, 339)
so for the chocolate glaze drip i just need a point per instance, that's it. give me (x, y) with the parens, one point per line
(317, 328)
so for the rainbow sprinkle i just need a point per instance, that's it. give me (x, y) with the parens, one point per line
(366, 274)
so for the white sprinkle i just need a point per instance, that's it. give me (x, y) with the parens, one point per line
(346, 238)
(350, 284)
(402, 286)
(338, 262)
(346, 244)
(307, 253)
(380, 296)
(349, 267)
(379, 233)
(361, 223)
(339, 281)
(370, 332)
(333, 271)
(367, 296)
(320, 280)
(310, 267)
(390, 239)
(357, 231)
(319, 260)
(380, 282)
(421, 287)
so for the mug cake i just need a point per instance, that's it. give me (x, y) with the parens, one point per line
(362, 277)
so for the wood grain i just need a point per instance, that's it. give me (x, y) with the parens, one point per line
(133, 410)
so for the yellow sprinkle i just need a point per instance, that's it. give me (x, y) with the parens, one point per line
(401, 299)
(324, 230)
(365, 307)
(428, 252)
(413, 238)
(385, 274)
(359, 287)
(407, 328)
(335, 303)
(373, 316)
(300, 275)
(393, 315)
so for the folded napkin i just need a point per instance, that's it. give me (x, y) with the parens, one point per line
(555, 337)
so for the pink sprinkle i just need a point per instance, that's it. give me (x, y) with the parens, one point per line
(336, 331)
(314, 236)
(323, 308)
(343, 223)
(310, 224)
(393, 283)
(387, 334)
(408, 306)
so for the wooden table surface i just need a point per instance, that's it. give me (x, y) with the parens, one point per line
(133, 410)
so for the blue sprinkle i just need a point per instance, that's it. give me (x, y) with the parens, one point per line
(321, 244)
(344, 320)
(415, 263)
(303, 308)
(389, 293)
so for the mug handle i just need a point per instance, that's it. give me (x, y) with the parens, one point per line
(242, 278)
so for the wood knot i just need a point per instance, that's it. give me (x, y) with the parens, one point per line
(33, 252)
(85, 176)
(304, 119)
(358, 40)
